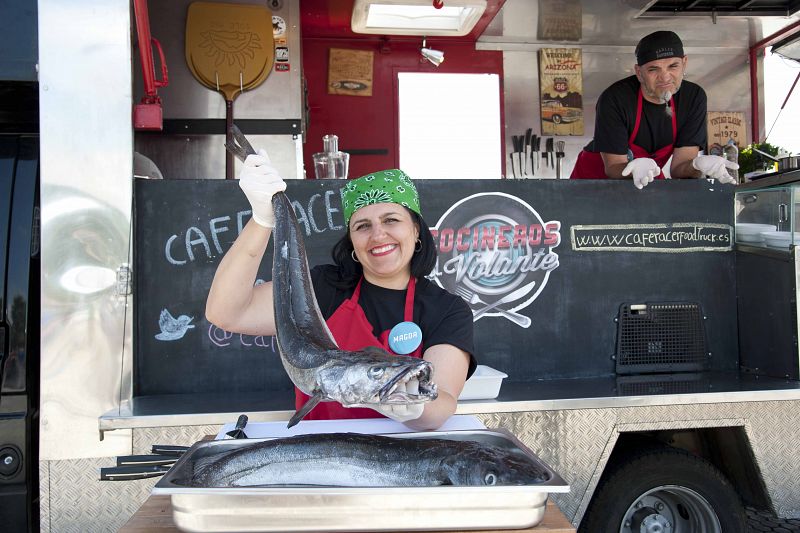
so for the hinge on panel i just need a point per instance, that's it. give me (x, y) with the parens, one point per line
(123, 280)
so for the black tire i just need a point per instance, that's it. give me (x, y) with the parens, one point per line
(556, 119)
(671, 486)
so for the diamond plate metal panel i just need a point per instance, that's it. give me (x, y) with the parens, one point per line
(577, 443)
(79, 503)
(571, 442)
(44, 496)
(74, 500)
(143, 439)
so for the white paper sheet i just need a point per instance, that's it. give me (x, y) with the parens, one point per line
(372, 426)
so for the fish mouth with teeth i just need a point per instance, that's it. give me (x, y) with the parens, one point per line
(395, 392)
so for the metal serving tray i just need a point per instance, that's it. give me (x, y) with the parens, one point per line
(293, 508)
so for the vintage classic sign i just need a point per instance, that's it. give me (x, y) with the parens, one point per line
(723, 126)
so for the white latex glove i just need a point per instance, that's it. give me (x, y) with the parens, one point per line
(403, 412)
(260, 181)
(715, 167)
(644, 171)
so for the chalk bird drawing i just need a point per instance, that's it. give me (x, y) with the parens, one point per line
(173, 328)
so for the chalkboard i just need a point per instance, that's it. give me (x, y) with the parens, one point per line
(545, 265)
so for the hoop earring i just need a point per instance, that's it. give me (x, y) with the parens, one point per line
(418, 247)
(353, 255)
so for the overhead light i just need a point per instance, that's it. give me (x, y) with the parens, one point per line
(416, 17)
(434, 56)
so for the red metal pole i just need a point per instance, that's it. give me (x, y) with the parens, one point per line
(145, 46)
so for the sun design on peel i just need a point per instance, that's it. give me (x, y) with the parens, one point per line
(230, 47)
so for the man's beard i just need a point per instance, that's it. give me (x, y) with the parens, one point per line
(666, 96)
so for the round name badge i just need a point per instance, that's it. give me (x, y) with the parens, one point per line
(404, 338)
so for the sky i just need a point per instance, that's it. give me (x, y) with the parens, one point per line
(779, 74)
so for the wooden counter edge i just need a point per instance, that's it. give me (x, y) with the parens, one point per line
(156, 515)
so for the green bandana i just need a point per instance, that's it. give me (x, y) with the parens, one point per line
(385, 186)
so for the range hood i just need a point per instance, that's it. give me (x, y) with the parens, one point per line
(720, 8)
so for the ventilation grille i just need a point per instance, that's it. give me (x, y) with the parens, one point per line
(686, 383)
(661, 337)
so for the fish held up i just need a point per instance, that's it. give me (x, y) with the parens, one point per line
(309, 353)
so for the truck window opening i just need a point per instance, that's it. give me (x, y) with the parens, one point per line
(449, 125)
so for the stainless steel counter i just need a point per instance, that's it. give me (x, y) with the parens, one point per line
(546, 395)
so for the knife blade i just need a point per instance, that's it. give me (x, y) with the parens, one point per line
(146, 460)
(528, 133)
(168, 449)
(510, 297)
(125, 473)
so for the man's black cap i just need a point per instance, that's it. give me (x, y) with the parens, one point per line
(658, 45)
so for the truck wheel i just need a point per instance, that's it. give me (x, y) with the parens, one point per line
(665, 490)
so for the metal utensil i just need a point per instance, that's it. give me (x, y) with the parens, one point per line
(146, 460)
(472, 298)
(559, 157)
(528, 133)
(238, 431)
(510, 297)
(168, 449)
(127, 473)
(237, 144)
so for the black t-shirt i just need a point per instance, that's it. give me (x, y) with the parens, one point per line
(443, 317)
(616, 117)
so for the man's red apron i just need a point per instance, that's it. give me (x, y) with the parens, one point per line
(352, 331)
(590, 164)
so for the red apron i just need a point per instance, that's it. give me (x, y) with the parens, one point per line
(590, 164)
(352, 331)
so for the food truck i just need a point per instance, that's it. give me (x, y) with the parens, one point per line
(648, 338)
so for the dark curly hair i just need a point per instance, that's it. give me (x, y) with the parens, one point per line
(348, 272)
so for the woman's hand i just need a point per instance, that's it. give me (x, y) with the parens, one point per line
(260, 181)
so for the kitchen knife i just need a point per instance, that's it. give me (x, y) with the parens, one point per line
(168, 449)
(146, 460)
(238, 431)
(126, 473)
(528, 133)
(510, 297)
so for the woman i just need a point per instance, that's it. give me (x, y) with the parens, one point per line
(377, 282)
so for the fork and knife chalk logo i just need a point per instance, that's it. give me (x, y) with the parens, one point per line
(496, 252)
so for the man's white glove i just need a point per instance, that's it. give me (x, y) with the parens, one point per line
(260, 181)
(644, 171)
(403, 412)
(715, 167)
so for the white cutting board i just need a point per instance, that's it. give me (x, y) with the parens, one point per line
(372, 426)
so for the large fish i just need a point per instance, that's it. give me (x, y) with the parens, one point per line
(356, 460)
(314, 362)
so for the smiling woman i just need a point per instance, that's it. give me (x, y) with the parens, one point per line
(375, 291)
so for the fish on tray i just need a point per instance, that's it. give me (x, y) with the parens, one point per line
(358, 460)
(309, 353)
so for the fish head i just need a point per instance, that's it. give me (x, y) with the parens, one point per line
(373, 376)
(485, 465)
